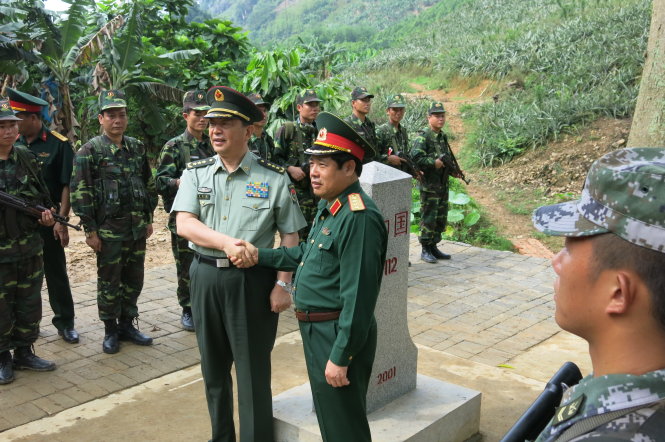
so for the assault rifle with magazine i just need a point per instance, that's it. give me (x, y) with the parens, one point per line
(35, 210)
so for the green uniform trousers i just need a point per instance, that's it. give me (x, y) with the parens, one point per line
(20, 302)
(183, 257)
(342, 411)
(231, 310)
(57, 281)
(433, 216)
(120, 268)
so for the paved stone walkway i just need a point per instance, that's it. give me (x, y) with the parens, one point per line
(483, 305)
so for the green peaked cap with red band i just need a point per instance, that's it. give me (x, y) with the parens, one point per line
(22, 102)
(336, 136)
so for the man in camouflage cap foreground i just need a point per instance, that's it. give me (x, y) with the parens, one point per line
(610, 290)
(113, 192)
(192, 145)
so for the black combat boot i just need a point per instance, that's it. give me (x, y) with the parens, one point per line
(25, 359)
(110, 344)
(438, 254)
(186, 319)
(427, 256)
(6, 367)
(127, 332)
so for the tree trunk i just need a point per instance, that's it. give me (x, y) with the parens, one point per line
(648, 128)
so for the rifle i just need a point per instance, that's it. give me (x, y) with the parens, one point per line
(407, 165)
(536, 417)
(452, 164)
(36, 210)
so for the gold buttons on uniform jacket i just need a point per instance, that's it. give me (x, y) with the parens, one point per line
(320, 245)
(226, 197)
(302, 263)
(312, 241)
(322, 218)
(224, 218)
(256, 205)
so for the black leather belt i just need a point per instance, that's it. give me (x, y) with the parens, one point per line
(220, 263)
(316, 316)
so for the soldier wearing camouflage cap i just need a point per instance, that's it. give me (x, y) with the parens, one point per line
(113, 192)
(361, 105)
(55, 154)
(21, 266)
(427, 152)
(610, 290)
(192, 145)
(291, 142)
(392, 137)
(261, 143)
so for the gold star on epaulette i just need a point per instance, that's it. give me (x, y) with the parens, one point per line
(201, 163)
(272, 166)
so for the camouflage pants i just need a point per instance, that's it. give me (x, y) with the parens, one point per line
(433, 216)
(120, 278)
(183, 256)
(20, 301)
(308, 206)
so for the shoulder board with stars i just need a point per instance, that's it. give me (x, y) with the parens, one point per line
(356, 202)
(59, 136)
(201, 163)
(272, 166)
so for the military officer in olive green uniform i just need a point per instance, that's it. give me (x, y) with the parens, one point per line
(338, 281)
(361, 105)
(392, 137)
(236, 195)
(429, 147)
(261, 143)
(192, 145)
(291, 141)
(21, 268)
(113, 192)
(55, 155)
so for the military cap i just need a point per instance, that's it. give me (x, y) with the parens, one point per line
(257, 99)
(336, 136)
(195, 100)
(307, 97)
(111, 99)
(6, 112)
(225, 102)
(359, 93)
(436, 108)
(396, 100)
(22, 102)
(624, 193)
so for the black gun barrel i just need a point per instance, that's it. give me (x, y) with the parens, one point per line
(536, 417)
(15, 202)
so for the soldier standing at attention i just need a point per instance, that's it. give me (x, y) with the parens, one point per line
(428, 147)
(260, 142)
(610, 291)
(291, 141)
(113, 192)
(338, 281)
(21, 267)
(55, 154)
(392, 136)
(361, 104)
(234, 195)
(192, 145)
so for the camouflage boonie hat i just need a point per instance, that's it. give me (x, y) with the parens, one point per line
(6, 112)
(258, 100)
(195, 100)
(436, 108)
(624, 193)
(307, 97)
(359, 93)
(396, 101)
(111, 99)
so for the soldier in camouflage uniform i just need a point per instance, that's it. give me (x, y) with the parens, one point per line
(291, 141)
(428, 148)
(361, 104)
(21, 266)
(55, 155)
(191, 145)
(113, 192)
(392, 137)
(610, 291)
(261, 143)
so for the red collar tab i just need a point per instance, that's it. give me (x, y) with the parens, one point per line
(334, 208)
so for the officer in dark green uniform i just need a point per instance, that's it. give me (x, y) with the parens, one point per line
(291, 141)
(236, 194)
(113, 191)
(428, 148)
(338, 281)
(361, 105)
(21, 267)
(392, 137)
(192, 145)
(261, 143)
(55, 155)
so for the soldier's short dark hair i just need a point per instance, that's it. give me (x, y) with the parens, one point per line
(341, 158)
(611, 252)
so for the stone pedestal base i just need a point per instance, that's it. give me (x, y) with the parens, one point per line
(435, 411)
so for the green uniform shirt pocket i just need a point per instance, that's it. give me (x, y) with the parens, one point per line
(111, 198)
(253, 212)
(326, 259)
(207, 204)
